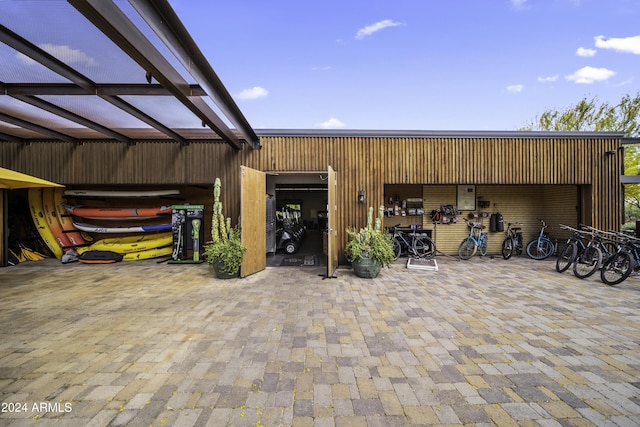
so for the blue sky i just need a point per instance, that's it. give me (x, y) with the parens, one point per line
(416, 64)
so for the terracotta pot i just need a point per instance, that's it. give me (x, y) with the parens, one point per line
(366, 267)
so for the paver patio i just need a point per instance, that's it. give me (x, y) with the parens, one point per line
(479, 342)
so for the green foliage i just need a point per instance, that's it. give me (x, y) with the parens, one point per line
(589, 115)
(229, 253)
(370, 241)
(226, 245)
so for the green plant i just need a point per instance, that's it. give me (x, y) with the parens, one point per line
(371, 241)
(226, 245)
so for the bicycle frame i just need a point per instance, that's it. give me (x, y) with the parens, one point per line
(476, 239)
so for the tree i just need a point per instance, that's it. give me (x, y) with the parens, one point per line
(589, 115)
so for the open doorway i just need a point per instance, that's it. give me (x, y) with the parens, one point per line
(296, 219)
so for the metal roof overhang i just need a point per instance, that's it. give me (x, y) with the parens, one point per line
(131, 40)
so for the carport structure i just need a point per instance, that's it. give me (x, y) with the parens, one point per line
(87, 70)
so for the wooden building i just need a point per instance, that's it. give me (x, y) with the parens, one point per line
(149, 123)
(567, 178)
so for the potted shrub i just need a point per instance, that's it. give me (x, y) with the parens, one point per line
(370, 248)
(225, 251)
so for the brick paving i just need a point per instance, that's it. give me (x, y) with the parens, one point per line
(480, 342)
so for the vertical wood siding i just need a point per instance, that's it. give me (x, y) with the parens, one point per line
(361, 163)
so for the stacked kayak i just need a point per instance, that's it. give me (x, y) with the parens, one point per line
(139, 232)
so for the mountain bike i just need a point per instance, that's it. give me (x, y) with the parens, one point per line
(476, 239)
(597, 249)
(574, 246)
(513, 243)
(541, 247)
(413, 243)
(618, 267)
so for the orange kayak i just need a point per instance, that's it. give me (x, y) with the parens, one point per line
(116, 213)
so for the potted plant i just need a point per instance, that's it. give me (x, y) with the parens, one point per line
(225, 250)
(370, 248)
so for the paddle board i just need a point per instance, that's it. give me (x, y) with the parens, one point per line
(151, 253)
(50, 215)
(74, 236)
(37, 214)
(128, 244)
(116, 193)
(116, 213)
(90, 228)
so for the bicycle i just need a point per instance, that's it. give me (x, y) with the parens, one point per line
(513, 242)
(574, 246)
(618, 267)
(541, 247)
(476, 239)
(597, 249)
(414, 244)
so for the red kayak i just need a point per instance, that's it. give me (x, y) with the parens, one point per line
(116, 213)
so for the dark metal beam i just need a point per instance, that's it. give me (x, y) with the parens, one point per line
(162, 19)
(130, 109)
(12, 138)
(109, 89)
(52, 108)
(37, 128)
(108, 18)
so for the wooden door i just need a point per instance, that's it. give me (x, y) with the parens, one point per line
(332, 222)
(253, 208)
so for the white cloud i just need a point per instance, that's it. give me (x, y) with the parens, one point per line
(370, 29)
(588, 75)
(515, 88)
(253, 93)
(518, 4)
(332, 123)
(548, 79)
(62, 52)
(585, 52)
(325, 68)
(626, 44)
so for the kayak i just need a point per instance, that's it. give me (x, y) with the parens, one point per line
(128, 244)
(148, 254)
(90, 228)
(116, 213)
(116, 193)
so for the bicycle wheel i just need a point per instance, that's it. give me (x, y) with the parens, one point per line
(507, 247)
(423, 247)
(467, 248)
(397, 249)
(617, 268)
(484, 244)
(566, 257)
(540, 248)
(587, 262)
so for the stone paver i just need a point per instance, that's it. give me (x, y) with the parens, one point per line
(481, 342)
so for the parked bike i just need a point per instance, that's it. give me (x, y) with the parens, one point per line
(598, 248)
(618, 267)
(574, 246)
(476, 239)
(513, 243)
(541, 247)
(412, 242)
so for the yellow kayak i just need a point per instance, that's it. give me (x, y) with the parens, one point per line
(131, 244)
(151, 253)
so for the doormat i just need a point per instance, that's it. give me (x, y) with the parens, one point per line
(422, 264)
(299, 261)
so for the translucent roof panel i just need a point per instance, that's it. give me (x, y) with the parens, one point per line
(59, 29)
(105, 70)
